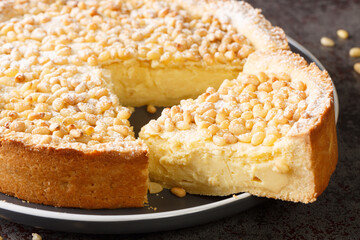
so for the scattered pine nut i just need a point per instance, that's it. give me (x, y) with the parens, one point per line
(36, 236)
(357, 67)
(342, 33)
(354, 52)
(155, 188)
(327, 42)
(179, 192)
(151, 109)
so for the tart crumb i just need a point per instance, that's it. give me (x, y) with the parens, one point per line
(152, 208)
(255, 122)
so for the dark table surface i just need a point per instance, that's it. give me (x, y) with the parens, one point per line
(336, 214)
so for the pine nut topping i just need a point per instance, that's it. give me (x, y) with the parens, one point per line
(170, 34)
(257, 117)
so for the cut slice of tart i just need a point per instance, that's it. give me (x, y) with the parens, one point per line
(66, 141)
(270, 132)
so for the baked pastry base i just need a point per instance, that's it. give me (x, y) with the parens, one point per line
(72, 178)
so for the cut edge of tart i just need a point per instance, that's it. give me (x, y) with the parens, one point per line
(270, 132)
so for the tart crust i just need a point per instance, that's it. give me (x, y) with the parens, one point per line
(67, 177)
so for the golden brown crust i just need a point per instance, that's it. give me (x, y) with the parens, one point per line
(324, 154)
(71, 178)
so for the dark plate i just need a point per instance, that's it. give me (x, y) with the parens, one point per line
(165, 211)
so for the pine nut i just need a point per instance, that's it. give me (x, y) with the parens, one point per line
(342, 34)
(327, 42)
(179, 192)
(354, 52)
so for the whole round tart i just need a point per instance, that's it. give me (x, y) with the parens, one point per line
(71, 71)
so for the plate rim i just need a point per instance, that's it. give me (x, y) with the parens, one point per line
(53, 214)
(118, 218)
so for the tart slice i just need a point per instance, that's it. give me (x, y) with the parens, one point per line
(270, 132)
(66, 141)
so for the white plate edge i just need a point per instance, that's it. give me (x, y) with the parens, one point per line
(117, 218)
